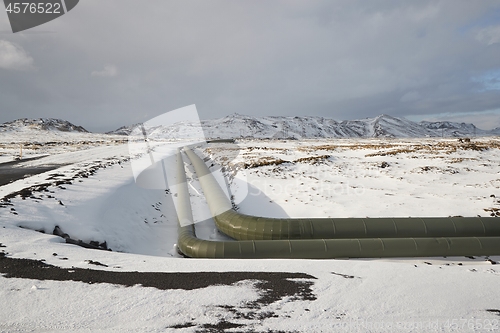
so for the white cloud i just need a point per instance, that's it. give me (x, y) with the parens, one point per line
(108, 71)
(14, 57)
(489, 35)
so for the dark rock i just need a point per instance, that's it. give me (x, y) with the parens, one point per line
(495, 311)
(97, 263)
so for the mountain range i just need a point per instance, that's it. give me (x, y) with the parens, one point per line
(236, 125)
(41, 124)
(279, 127)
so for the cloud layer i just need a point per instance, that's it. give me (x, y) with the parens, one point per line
(338, 59)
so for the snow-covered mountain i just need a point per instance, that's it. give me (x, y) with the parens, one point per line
(236, 125)
(448, 128)
(495, 131)
(45, 124)
(124, 130)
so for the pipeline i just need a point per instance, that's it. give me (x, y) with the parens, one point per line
(352, 242)
(245, 227)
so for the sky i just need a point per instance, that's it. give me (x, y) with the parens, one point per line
(111, 63)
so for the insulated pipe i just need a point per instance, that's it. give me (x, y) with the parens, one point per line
(321, 248)
(247, 227)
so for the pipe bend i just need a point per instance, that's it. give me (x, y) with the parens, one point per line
(323, 248)
(242, 226)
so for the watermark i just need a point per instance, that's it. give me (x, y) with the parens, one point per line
(328, 179)
(297, 186)
(154, 146)
(427, 325)
(25, 15)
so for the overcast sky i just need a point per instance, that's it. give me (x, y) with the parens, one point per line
(109, 63)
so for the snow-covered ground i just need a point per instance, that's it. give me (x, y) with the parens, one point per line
(366, 178)
(91, 195)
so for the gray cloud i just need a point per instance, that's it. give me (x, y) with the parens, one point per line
(411, 96)
(108, 71)
(340, 59)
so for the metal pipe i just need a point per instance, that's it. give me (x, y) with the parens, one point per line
(244, 227)
(318, 248)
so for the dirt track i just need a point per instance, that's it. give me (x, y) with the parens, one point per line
(277, 282)
(9, 171)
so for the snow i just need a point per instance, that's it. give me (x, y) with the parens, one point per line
(277, 127)
(421, 177)
(45, 124)
(368, 178)
(237, 126)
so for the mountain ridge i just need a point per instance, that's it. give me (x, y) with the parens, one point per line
(41, 124)
(298, 127)
(280, 127)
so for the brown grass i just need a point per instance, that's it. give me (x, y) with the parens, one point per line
(312, 159)
(265, 161)
(446, 147)
(331, 147)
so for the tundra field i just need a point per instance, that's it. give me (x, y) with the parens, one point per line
(81, 185)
